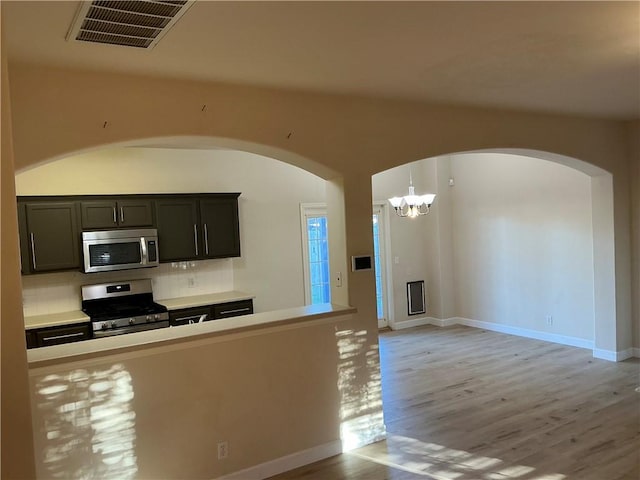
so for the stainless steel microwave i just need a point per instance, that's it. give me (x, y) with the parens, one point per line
(109, 250)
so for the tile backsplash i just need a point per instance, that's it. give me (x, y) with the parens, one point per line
(60, 292)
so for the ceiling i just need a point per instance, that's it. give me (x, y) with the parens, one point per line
(579, 58)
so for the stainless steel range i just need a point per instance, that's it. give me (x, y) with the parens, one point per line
(124, 307)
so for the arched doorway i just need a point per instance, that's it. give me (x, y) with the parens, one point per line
(444, 258)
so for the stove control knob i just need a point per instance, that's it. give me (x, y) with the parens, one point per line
(156, 317)
(148, 318)
(104, 326)
(113, 324)
(132, 321)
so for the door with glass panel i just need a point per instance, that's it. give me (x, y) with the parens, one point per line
(315, 247)
(379, 252)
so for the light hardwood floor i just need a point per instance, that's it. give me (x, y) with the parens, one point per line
(466, 404)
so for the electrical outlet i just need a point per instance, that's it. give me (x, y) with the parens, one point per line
(549, 320)
(338, 279)
(191, 282)
(223, 450)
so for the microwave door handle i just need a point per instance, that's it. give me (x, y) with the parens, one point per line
(195, 237)
(206, 239)
(143, 250)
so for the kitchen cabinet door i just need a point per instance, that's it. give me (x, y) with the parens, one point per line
(178, 229)
(220, 227)
(99, 214)
(135, 213)
(232, 309)
(106, 214)
(51, 237)
(45, 337)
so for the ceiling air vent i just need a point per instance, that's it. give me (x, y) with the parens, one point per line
(134, 23)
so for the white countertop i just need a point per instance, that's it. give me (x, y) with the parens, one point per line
(55, 319)
(206, 299)
(150, 338)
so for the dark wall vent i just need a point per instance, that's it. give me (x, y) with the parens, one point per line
(134, 23)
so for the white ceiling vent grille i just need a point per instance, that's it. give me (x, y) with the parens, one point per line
(130, 23)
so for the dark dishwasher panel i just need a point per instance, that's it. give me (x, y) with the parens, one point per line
(188, 316)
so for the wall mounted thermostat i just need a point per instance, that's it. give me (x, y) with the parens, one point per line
(361, 262)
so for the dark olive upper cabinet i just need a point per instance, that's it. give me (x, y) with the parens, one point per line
(220, 229)
(49, 236)
(105, 214)
(198, 227)
(190, 226)
(177, 224)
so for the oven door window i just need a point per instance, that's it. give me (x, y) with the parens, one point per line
(115, 254)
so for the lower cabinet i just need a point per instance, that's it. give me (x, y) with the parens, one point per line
(44, 337)
(232, 309)
(186, 316)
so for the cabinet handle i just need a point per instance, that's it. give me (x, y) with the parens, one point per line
(195, 237)
(115, 216)
(121, 215)
(237, 310)
(206, 239)
(57, 337)
(33, 250)
(143, 251)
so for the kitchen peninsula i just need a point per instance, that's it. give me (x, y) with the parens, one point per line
(179, 337)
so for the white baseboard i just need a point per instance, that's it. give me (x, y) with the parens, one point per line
(286, 463)
(616, 356)
(524, 332)
(418, 322)
(604, 354)
(414, 322)
(609, 355)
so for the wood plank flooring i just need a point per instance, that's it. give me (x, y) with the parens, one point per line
(467, 404)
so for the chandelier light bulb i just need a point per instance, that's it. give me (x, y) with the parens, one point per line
(412, 205)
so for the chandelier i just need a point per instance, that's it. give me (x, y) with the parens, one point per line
(412, 205)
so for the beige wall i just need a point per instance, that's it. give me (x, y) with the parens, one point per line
(271, 192)
(16, 440)
(159, 413)
(634, 158)
(523, 243)
(57, 113)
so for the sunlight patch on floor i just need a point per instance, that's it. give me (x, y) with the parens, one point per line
(443, 463)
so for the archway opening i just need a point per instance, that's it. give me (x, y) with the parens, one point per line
(517, 239)
(272, 190)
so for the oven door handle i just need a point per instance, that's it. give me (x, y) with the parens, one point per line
(143, 251)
